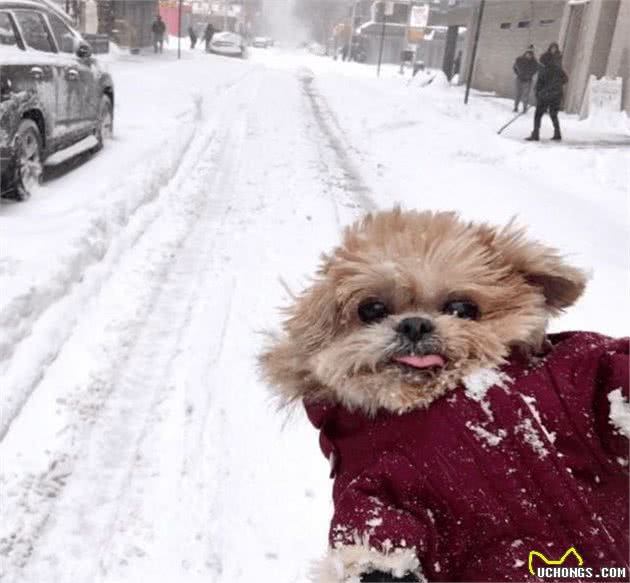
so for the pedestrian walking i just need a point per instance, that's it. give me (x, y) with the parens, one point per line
(158, 28)
(525, 67)
(549, 91)
(193, 37)
(207, 35)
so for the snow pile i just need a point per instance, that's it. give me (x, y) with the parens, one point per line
(619, 412)
(611, 121)
(440, 82)
(423, 78)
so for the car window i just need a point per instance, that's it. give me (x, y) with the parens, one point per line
(7, 32)
(66, 41)
(34, 31)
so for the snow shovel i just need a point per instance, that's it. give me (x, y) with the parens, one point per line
(511, 121)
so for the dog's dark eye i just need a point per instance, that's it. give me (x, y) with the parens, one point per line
(372, 311)
(462, 309)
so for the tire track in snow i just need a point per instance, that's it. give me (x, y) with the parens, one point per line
(63, 298)
(129, 521)
(52, 312)
(351, 180)
(38, 494)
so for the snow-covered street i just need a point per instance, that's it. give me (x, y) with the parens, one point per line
(137, 441)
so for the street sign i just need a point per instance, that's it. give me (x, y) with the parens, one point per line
(419, 16)
(603, 96)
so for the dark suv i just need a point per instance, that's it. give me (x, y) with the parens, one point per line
(52, 92)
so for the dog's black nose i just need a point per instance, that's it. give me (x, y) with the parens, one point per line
(415, 328)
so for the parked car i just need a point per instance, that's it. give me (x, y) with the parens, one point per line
(53, 93)
(228, 43)
(262, 42)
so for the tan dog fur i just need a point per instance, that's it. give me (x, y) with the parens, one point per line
(415, 262)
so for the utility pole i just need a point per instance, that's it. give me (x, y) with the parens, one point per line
(471, 67)
(179, 29)
(353, 16)
(387, 6)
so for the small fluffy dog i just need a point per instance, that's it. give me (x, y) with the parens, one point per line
(461, 436)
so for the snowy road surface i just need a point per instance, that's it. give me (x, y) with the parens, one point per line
(137, 442)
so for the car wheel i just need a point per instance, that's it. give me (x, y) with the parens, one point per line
(28, 159)
(105, 122)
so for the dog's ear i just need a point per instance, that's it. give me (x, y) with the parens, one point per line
(541, 266)
(313, 317)
(310, 324)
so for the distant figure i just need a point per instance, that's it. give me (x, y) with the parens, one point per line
(208, 34)
(525, 67)
(158, 28)
(193, 37)
(549, 88)
(457, 64)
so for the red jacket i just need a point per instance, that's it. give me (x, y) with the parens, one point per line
(474, 486)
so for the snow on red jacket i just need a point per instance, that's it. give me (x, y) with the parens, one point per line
(474, 485)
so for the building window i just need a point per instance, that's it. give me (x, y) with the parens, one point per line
(547, 22)
(524, 24)
(506, 25)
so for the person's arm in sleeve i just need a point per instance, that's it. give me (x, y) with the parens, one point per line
(373, 538)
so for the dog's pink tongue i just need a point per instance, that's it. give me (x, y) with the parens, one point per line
(421, 361)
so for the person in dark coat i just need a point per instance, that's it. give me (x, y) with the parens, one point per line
(533, 459)
(158, 28)
(525, 67)
(208, 34)
(549, 91)
(193, 37)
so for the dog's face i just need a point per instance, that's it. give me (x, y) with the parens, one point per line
(412, 302)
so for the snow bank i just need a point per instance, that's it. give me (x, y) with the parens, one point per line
(433, 78)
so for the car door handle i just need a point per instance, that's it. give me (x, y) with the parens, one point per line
(37, 72)
(72, 74)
